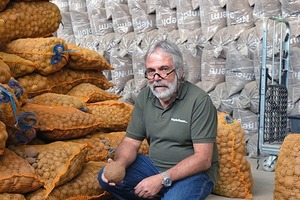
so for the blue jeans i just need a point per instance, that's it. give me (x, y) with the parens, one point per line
(196, 187)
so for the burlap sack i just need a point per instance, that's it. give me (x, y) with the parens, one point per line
(48, 54)
(239, 13)
(28, 20)
(287, 170)
(113, 115)
(3, 137)
(56, 163)
(18, 65)
(5, 72)
(17, 175)
(235, 177)
(61, 122)
(62, 81)
(83, 186)
(63, 5)
(54, 99)
(90, 93)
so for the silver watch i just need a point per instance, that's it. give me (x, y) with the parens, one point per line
(167, 182)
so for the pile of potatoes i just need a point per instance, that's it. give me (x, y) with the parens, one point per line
(287, 169)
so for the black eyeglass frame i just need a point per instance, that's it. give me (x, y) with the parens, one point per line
(167, 74)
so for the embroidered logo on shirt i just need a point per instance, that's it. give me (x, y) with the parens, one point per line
(178, 120)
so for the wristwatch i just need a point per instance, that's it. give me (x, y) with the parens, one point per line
(167, 182)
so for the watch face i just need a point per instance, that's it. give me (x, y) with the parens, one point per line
(167, 182)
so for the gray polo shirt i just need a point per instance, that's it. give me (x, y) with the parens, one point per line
(171, 132)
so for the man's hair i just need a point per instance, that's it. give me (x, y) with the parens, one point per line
(174, 51)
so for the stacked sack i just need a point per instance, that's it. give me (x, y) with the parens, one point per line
(58, 122)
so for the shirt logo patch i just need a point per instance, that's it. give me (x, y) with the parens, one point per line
(178, 120)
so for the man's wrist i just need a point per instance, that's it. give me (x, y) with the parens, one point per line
(166, 182)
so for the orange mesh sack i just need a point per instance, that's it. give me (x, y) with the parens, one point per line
(47, 53)
(28, 20)
(17, 175)
(9, 106)
(84, 185)
(235, 177)
(54, 99)
(91, 93)
(56, 163)
(61, 122)
(5, 73)
(86, 59)
(18, 65)
(3, 137)
(287, 169)
(113, 139)
(12, 196)
(18, 90)
(62, 81)
(115, 115)
(97, 150)
(3, 4)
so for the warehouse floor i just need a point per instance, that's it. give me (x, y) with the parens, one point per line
(263, 184)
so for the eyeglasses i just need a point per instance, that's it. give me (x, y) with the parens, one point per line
(162, 74)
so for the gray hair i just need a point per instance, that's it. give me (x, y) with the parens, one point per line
(172, 49)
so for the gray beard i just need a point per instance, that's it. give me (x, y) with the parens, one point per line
(166, 95)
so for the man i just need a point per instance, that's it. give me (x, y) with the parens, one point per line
(179, 121)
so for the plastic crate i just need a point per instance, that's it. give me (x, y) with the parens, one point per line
(295, 123)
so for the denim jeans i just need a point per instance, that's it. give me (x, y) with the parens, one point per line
(196, 187)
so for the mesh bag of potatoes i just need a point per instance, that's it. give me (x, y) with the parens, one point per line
(54, 99)
(3, 137)
(56, 163)
(112, 140)
(235, 177)
(90, 93)
(18, 66)
(86, 59)
(12, 196)
(9, 106)
(115, 115)
(62, 81)
(17, 175)
(83, 186)
(28, 20)
(61, 122)
(102, 145)
(5, 73)
(49, 54)
(287, 169)
(3, 4)
(18, 90)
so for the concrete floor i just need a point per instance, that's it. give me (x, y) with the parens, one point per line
(263, 184)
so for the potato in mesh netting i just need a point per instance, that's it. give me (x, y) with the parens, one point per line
(12, 196)
(3, 137)
(102, 145)
(91, 93)
(47, 53)
(3, 4)
(5, 73)
(287, 169)
(114, 114)
(85, 184)
(56, 163)
(54, 99)
(86, 59)
(28, 20)
(112, 140)
(235, 177)
(61, 122)
(62, 81)
(17, 175)
(18, 65)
